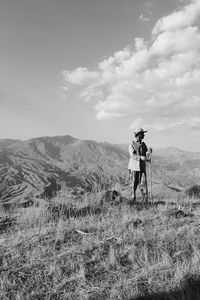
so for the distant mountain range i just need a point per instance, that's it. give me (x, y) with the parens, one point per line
(42, 166)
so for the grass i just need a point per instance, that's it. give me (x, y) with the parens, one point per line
(121, 252)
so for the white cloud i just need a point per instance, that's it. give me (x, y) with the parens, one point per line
(91, 92)
(193, 123)
(139, 44)
(143, 18)
(183, 18)
(64, 88)
(182, 40)
(152, 82)
(171, 124)
(190, 81)
(80, 76)
(104, 115)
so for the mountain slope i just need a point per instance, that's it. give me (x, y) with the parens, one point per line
(176, 167)
(42, 166)
(4, 143)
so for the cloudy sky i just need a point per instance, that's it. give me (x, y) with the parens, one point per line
(98, 69)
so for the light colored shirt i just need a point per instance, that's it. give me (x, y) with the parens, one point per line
(137, 149)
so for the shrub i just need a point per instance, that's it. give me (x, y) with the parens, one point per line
(194, 191)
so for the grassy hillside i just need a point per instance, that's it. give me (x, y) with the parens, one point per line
(90, 248)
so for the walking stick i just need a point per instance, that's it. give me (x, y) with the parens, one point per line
(150, 173)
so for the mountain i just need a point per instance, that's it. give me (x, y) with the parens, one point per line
(7, 142)
(43, 166)
(176, 168)
(173, 170)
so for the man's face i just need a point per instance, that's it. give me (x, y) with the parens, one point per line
(140, 136)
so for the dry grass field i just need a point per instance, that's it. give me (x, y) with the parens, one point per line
(91, 249)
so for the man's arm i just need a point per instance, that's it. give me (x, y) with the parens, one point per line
(132, 150)
(148, 154)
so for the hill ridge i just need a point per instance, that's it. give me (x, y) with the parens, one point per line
(29, 168)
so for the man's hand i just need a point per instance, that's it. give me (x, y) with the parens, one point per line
(150, 150)
(143, 158)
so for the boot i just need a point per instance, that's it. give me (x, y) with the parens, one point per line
(133, 199)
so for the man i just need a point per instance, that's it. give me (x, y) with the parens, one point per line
(139, 155)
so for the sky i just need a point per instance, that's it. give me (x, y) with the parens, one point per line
(99, 70)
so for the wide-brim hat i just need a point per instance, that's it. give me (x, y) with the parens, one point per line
(139, 131)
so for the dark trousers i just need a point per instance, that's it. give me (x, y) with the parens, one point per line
(139, 178)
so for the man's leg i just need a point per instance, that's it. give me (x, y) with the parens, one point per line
(144, 186)
(135, 182)
(145, 182)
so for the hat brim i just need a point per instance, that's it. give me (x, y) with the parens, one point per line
(136, 133)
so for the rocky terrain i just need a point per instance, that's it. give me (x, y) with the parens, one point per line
(43, 166)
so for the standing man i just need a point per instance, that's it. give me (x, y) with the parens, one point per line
(139, 155)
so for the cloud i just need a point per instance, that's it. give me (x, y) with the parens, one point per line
(183, 18)
(182, 40)
(142, 18)
(167, 123)
(80, 76)
(151, 82)
(91, 92)
(139, 44)
(64, 88)
(103, 115)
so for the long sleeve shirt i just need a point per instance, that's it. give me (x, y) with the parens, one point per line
(138, 149)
